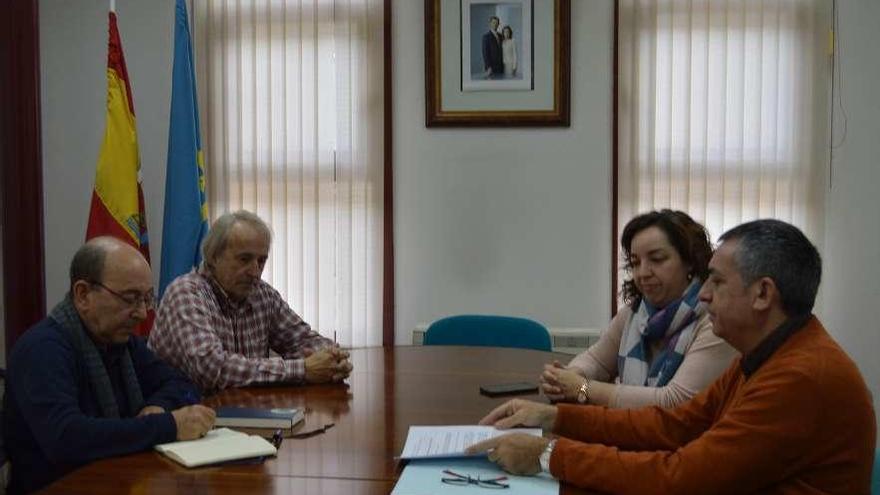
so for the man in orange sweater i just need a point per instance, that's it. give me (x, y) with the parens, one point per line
(791, 416)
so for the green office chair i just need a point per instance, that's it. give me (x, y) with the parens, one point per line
(489, 331)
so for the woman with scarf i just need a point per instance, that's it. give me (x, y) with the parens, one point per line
(659, 349)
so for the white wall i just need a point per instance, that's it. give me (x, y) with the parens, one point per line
(73, 61)
(504, 221)
(851, 286)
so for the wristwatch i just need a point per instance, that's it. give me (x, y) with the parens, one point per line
(544, 458)
(583, 393)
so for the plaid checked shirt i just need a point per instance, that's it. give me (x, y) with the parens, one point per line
(219, 343)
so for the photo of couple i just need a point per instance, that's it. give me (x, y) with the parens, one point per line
(499, 51)
(496, 45)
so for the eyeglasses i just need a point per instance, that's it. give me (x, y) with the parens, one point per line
(132, 299)
(461, 480)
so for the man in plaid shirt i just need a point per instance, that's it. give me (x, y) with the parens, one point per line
(219, 322)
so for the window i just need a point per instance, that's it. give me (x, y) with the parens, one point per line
(723, 110)
(292, 109)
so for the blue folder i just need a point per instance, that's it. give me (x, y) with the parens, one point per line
(423, 477)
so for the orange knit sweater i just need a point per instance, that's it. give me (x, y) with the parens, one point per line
(802, 423)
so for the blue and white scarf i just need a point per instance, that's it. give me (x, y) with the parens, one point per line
(674, 325)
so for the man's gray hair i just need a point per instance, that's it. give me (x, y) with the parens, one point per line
(775, 249)
(215, 241)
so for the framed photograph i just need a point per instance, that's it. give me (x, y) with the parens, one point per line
(497, 63)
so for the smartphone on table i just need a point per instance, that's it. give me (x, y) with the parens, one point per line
(515, 388)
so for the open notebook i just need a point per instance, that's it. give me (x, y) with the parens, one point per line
(219, 445)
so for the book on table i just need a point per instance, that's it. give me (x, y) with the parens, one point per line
(218, 445)
(253, 417)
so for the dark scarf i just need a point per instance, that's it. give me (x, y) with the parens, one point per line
(65, 315)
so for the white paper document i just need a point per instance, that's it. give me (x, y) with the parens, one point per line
(428, 442)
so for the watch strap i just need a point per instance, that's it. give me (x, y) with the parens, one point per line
(544, 458)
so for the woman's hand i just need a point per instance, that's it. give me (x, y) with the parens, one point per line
(559, 383)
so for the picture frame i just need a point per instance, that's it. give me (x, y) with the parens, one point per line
(497, 63)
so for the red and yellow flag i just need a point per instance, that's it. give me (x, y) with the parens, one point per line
(118, 201)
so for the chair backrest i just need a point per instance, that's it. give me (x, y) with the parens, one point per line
(875, 477)
(489, 331)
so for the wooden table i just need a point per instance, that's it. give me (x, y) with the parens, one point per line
(389, 390)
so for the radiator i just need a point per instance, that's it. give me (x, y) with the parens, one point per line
(569, 340)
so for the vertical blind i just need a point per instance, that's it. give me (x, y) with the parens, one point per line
(723, 110)
(292, 102)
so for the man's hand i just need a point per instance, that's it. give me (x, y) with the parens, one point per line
(518, 412)
(343, 365)
(516, 453)
(150, 410)
(559, 383)
(327, 365)
(193, 421)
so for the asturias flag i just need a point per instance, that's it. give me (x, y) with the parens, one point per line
(117, 201)
(186, 215)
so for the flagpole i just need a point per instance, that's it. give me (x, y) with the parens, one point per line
(112, 5)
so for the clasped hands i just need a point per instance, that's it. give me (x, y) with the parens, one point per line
(559, 383)
(329, 364)
(517, 453)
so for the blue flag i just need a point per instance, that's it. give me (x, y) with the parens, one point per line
(186, 214)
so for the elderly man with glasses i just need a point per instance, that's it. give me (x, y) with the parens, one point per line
(81, 386)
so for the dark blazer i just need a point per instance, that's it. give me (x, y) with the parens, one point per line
(492, 57)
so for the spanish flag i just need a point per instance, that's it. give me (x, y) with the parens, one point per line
(118, 201)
